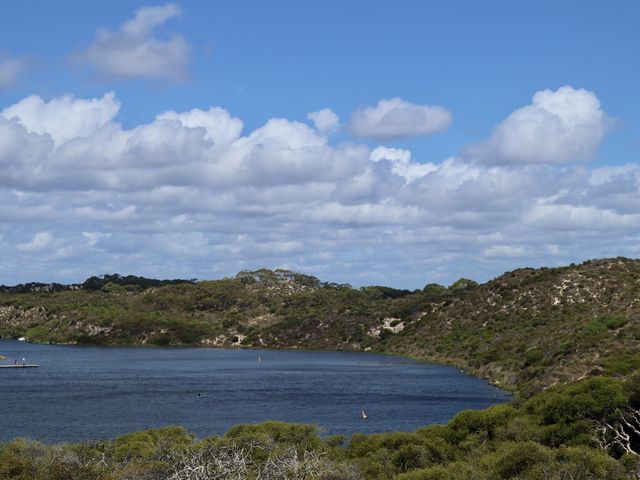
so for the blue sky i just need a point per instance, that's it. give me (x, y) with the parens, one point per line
(446, 193)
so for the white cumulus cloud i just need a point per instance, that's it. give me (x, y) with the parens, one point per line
(559, 126)
(134, 52)
(63, 118)
(325, 120)
(397, 118)
(221, 128)
(402, 163)
(189, 194)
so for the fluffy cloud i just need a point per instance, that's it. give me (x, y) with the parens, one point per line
(10, 70)
(401, 163)
(221, 128)
(559, 126)
(397, 118)
(134, 51)
(63, 118)
(21, 149)
(191, 195)
(325, 120)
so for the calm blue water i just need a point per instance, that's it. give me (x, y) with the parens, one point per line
(82, 393)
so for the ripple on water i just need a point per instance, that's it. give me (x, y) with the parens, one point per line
(81, 393)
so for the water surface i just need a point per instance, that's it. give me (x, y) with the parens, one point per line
(80, 393)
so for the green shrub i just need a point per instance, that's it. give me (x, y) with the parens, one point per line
(567, 412)
(153, 444)
(622, 363)
(514, 460)
(303, 437)
(410, 457)
(595, 327)
(613, 321)
(533, 356)
(482, 423)
(161, 340)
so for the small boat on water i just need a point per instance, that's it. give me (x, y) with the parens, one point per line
(259, 359)
(202, 394)
(364, 415)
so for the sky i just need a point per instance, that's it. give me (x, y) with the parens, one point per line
(371, 143)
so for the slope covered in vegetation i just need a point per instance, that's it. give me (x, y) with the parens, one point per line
(537, 327)
(526, 329)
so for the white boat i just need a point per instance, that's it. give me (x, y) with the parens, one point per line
(364, 415)
(22, 339)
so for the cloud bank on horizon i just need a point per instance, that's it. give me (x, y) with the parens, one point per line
(192, 194)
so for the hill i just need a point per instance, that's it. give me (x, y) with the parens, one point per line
(526, 330)
(537, 327)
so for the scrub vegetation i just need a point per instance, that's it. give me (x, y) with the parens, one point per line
(564, 339)
(525, 330)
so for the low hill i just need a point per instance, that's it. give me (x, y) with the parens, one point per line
(526, 329)
(537, 327)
